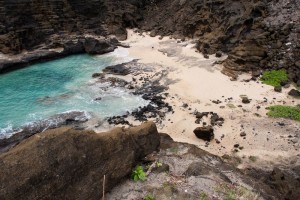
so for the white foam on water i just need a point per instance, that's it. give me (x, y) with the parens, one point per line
(81, 92)
(122, 54)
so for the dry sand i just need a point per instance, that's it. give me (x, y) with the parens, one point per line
(194, 80)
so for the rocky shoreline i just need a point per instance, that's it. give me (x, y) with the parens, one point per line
(68, 46)
(256, 35)
(189, 99)
(76, 163)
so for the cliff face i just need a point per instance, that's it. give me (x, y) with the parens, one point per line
(71, 164)
(256, 34)
(25, 24)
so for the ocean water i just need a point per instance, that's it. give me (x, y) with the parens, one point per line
(42, 90)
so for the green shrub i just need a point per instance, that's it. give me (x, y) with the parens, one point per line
(289, 112)
(253, 158)
(138, 174)
(203, 196)
(274, 77)
(149, 197)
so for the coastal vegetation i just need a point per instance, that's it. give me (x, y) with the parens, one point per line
(274, 77)
(288, 112)
(138, 174)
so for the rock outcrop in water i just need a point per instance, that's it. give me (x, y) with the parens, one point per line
(71, 164)
(67, 118)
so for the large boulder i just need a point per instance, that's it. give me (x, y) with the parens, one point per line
(294, 93)
(65, 163)
(205, 133)
(97, 46)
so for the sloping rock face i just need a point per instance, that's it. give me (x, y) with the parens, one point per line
(70, 164)
(26, 24)
(255, 34)
(186, 172)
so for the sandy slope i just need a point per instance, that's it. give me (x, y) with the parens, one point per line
(194, 80)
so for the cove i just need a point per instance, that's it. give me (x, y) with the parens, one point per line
(63, 85)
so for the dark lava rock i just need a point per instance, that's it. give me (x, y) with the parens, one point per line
(215, 119)
(284, 83)
(119, 69)
(243, 134)
(278, 89)
(256, 73)
(219, 54)
(245, 100)
(185, 105)
(199, 115)
(236, 146)
(294, 93)
(98, 75)
(55, 121)
(205, 133)
(97, 46)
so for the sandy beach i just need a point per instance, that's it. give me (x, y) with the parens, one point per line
(194, 82)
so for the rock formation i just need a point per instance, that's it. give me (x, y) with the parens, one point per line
(256, 34)
(188, 172)
(71, 164)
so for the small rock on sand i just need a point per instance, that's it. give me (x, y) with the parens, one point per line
(205, 133)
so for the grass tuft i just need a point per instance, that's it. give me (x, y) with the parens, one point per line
(274, 77)
(289, 112)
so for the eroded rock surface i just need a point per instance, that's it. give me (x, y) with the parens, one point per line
(256, 34)
(70, 164)
(193, 173)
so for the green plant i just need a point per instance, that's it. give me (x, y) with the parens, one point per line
(274, 77)
(158, 164)
(253, 158)
(229, 196)
(138, 174)
(289, 112)
(231, 192)
(149, 197)
(203, 196)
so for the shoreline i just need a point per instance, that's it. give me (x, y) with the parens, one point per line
(195, 84)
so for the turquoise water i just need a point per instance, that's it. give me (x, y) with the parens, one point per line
(43, 90)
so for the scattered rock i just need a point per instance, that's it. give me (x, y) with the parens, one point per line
(277, 88)
(294, 93)
(205, 133)
(243, 134)
(245, 100)
(219, 54)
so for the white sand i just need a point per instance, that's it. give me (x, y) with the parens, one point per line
(196, 81)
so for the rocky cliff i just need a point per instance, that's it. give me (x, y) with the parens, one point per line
(65, 163)
(256, 34)
(27, 24)
(71, 164)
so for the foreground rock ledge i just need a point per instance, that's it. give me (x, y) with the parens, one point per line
(65, 163)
